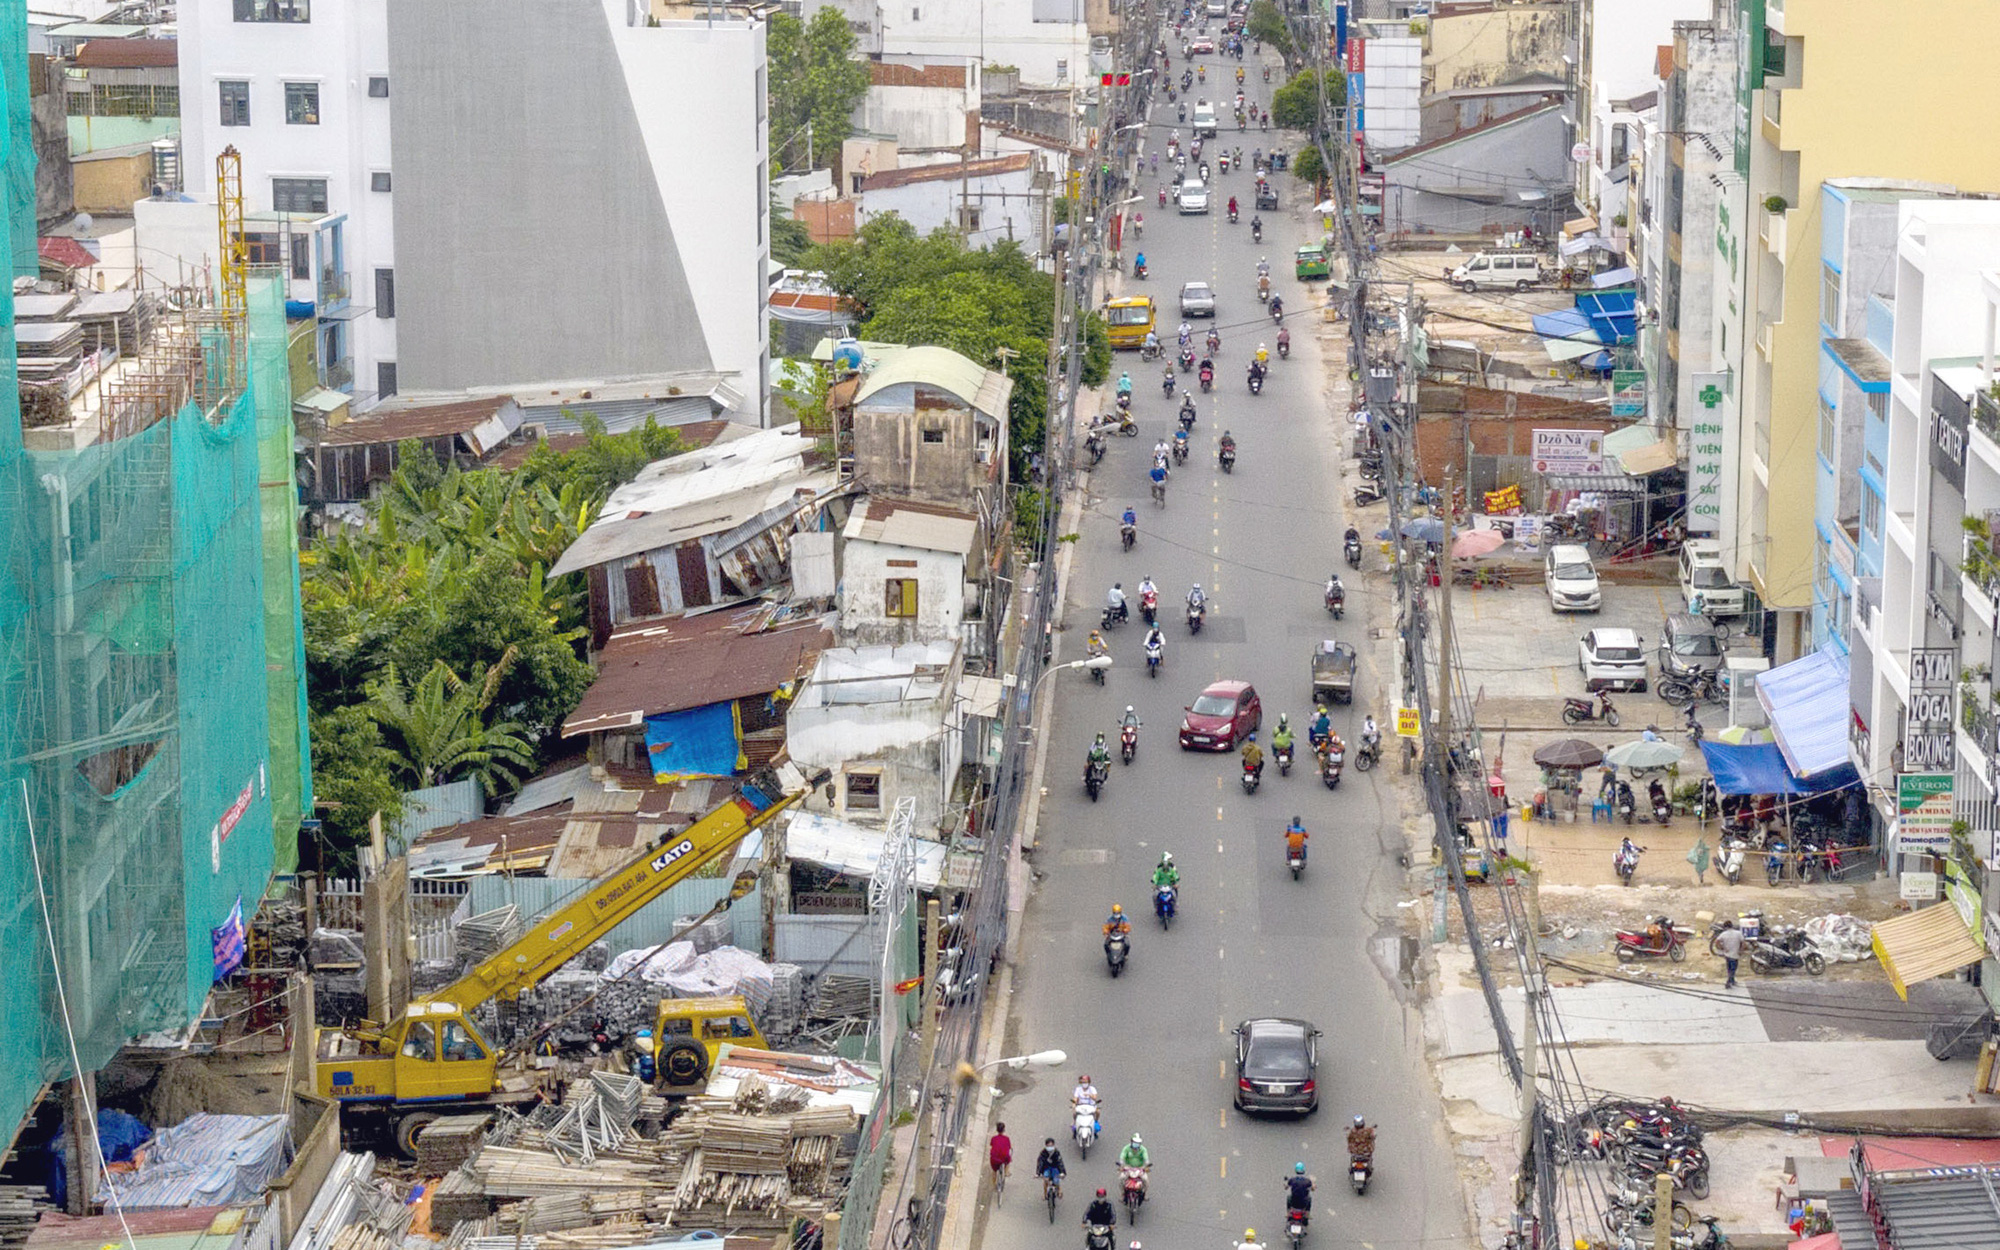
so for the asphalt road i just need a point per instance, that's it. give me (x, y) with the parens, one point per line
(1249, 941)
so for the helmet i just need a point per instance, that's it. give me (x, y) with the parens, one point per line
(1128, 709)
(1118, 909)
(1282, 720)
(1136, 1141)
(1300, 824)
(1166, 857)
(1299, 1169)
(1249, 1234)
(1359, 1122)
(1100, 739)
(1100, 1192)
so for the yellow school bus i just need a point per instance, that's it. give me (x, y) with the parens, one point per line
(1128, 321)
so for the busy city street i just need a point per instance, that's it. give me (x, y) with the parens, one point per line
(1249, 940)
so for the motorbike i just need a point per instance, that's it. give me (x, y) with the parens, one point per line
(1295, 1226)
(1120, 950)
(1351, 549)
(1284, 757)
(1256, 379)
(1094, 774)
(1774, 860)
(1295, 859)
(1359, 1172)
(1284, 344)
(1098, 1237)
(1195, 613)
(1207, 379)
(1625, 863)
(1693, 727)
(1125, 404)
(1622, 802)
(1222, 163)
(1330, 761)
(1133, 1182)
(1369, 753)
(1083, 1129)
(1149, 606)
(1277, 311)
(1264, 289)
(1180, 447)
(1256, 231)
(1576, 711)
(1094, 445)
(1166, 900)
(1114, 616)
(1267, 73)
(1213, 343)
(1782, 948)
(1128, 534)
(1097, 675)
(1128, 743)
(1226, 457)
(1697, 687)
(1167, 383)
(1336, 597)
(1117, 422)
(1252, 777)
(1232, 216)
(1187, 413)
(1730, 862)
(1150, 351)
(1160, 491)
(1369, 492)
(1139, 270)
(1661, 937)
(1163, 197)
(1663, 807)
(1187, 359)
(1152, 659)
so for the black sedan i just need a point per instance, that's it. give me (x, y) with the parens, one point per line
(1276, 1064)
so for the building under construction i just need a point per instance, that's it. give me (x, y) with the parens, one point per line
(153, 759)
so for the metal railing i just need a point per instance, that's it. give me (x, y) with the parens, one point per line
(334, 285)
(1986, 414)
(338, 374)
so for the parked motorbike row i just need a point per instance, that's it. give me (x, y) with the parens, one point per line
(1773, 948)
(1643, 1141)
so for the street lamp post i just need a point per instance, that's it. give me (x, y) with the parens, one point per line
(1094, 661)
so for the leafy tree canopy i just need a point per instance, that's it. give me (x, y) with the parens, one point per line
(1267, 24)
(813, 80)
(1295, 106)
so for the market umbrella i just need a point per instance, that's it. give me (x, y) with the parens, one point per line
(1477, 543)
(1424, 528)
(1644, 754)
(1569, 753)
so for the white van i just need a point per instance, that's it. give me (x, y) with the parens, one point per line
(1204, 120)
(1571, 579)
(1491, 271)
(1705, 580)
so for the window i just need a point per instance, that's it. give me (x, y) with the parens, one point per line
(934, 435)
(378, 88)
(968, 217)
(1878, 405)
(899, 597)
(302, 104)
(385, 293)
(235, 102)
(1871, 513)
(302, 258)
(459, 1043)
(385, 378)
(1829, 428)
(274, 10)
(763, 100)
(298, 195)
(421, 1041)
(864, 791)
(1829, 298)
(378, 180)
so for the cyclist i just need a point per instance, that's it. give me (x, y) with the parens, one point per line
(999, 1154)
(1049, 1165)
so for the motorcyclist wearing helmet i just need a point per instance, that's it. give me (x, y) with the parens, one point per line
(1253, 757)
(1263, 355)
(1281, 737)
(1099, 1213)
(1166, 873)
(1099, 753)
(1263, 267)
(1195, 599)
(1228, 439)
(1135, 1154)
(1146, 586)
(1085, 1094)
(1115, 925)
(1295, 838)
(1249, 1241)
(1361, 1139)
(1124, 384)
(1322, 726)
(1130, 518)
(1299, 1189)
(1096, 645)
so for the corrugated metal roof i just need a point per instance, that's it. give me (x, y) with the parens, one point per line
(1942, 1212)
(854, 850)
(922, 526)
(983, 390)
(393, 422)
(693, 661)
(628, 535)
(128, 54)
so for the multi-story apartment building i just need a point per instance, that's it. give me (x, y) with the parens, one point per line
(571, 193)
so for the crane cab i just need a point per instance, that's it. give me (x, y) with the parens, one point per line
(432, 1052)
(690, 1033)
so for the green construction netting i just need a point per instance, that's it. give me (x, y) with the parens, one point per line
(152, 747)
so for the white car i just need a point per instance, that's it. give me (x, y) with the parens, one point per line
(1204, 120)
(1571, 579)
(1612, 659)
(1194, 197)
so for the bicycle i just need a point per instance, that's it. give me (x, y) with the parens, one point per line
(903, 1233)
(1000, 1182)
(1051, 1194)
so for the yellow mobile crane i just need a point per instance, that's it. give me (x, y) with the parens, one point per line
(432, 1061)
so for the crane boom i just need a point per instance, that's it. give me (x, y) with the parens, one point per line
(569, 930)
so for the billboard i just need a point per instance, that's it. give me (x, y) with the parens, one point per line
(1569, 452)
(1923, 811)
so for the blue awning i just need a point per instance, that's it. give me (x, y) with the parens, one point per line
(1759, 768)
(699, 742)
(1807, 701)
(1613, 314)
(1567, 334)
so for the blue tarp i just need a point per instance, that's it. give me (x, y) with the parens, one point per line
(1808, 703)
(1612, 314)
(1759, 768)
(118, 1135)
(699, 742)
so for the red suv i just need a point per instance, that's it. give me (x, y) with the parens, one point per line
(1225, 714)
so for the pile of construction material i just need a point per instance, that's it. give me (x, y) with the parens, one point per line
(580, 1175)
(354, 1211)
(20, 1207)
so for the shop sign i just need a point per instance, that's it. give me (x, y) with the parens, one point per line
(1628, 392)
(1568, 452)
(1918, 887)
(829, 902)
(1503, 502)
(1704, 484)
(1923, 811)
(1407, 723)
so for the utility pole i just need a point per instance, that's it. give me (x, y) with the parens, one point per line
(927, 1045)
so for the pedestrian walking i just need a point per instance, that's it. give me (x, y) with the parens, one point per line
(1699, 858)
(1729, 945)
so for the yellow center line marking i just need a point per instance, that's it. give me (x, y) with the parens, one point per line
(1225, 1166)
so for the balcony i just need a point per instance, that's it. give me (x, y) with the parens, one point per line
(1979, 573)
(338, 375)
(1986, 417)
(1773, 232)
(334, 288)
(1978, 726)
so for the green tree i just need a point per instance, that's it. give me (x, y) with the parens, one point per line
(814, 80)
(439, 725)
(1306, 164)
(1295, 106)
(1267, 24)
(353, 778)
(790, 240)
